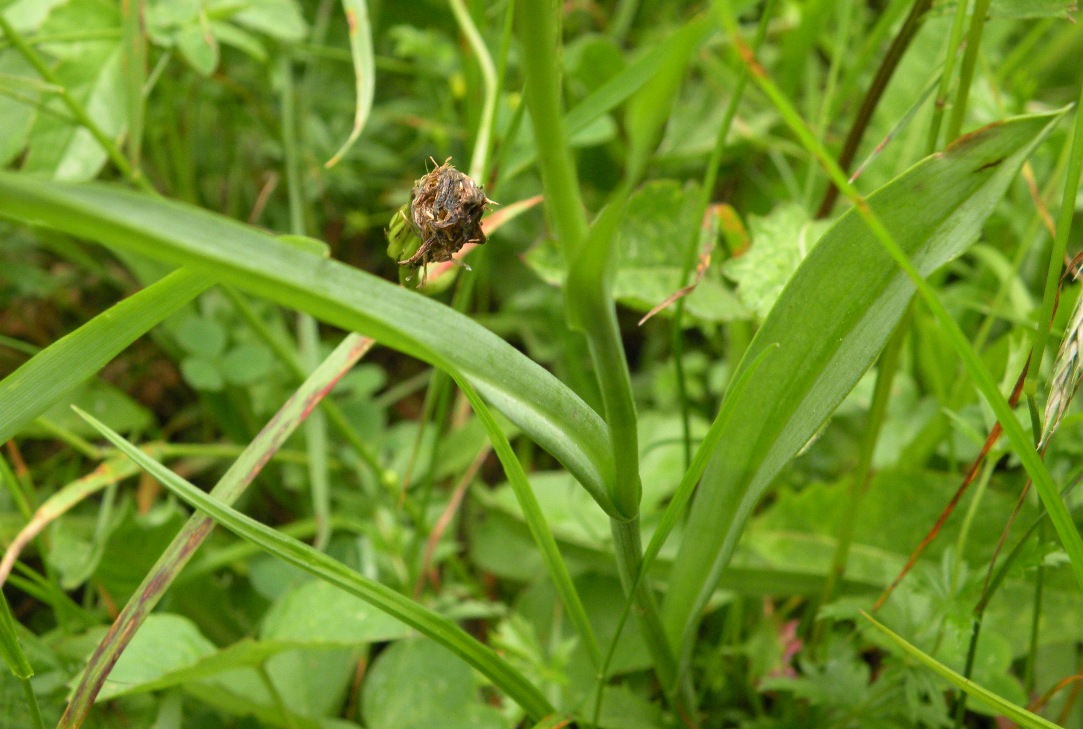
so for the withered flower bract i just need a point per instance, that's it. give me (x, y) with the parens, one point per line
(446, 207)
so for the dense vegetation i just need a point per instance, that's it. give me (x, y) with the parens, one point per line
(544, 362)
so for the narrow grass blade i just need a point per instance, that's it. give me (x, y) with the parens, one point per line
(57, 370)
(1021, 716)
(547, 410)
(364, 70)
(436, 626)
(648, 111)
(13, 656)
(612, 93)
(226, 491)
(10, 650)
(539, 528)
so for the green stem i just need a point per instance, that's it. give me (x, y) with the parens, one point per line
(623, 17)
(629, 550)
(590, 307)
(135, 73)
(945, 78)
(308, 334)
(480, 158)
(32, 703)
(1060, 242)
(710, 176)
(1035, 617)
(966, 71)
(294, 184)
(876, 90)
(539, 24)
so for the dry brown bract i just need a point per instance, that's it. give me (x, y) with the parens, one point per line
(446, 208)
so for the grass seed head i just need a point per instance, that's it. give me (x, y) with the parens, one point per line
(1067, 374)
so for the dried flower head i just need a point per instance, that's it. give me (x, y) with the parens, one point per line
(1067, 372)
(445, 213)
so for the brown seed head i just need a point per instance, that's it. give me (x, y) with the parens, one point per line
(446, 207)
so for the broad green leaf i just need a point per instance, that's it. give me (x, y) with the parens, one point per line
(651, 237)
(439, 628)
(245, 653)
(165, 643)
(202, 374)
(201, 335)
(92, 73)
(780, 241)
(27, 15)
(280, 19)
(247, 364)
(55, 372)
(829, 323)
(231, 35)
(1006, 708)
(316, 612)
(229, 251)
(416, 684)
(170, 651)
(65, 150)
(17, 107)
(198, 47)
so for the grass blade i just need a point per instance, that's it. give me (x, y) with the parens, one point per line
(554, 416)
(364, 71)
(431, 624)
(539, 528)
(57, 370)
(1021, 716)
(228, 489)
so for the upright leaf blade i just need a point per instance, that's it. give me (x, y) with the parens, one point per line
(829, 323)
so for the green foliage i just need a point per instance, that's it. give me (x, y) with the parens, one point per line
(688, 520)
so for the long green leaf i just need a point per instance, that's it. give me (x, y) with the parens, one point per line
(228, 489)
(1005, 707)
(238, 254)
(318, 564)
(61, 367)
(364, 71)
(10, 650)
(829, 324)
(539, 528)
(648, 111)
